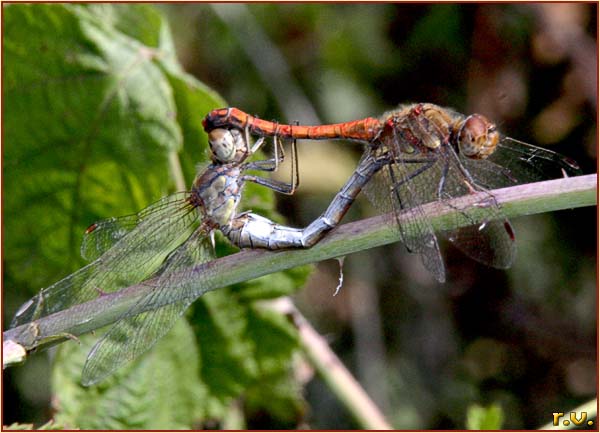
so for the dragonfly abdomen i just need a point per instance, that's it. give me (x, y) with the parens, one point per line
(361, 130)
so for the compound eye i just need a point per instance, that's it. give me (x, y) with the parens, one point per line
(477, 137)
(223, 144)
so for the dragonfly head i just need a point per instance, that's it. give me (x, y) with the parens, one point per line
(227, 145)
(477, 137)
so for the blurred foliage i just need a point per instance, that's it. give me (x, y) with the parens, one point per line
(523, 340)
(482, 418)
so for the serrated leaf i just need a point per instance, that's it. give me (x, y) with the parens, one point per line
(193, 100)
(484, 418)
(160, 390)
(138, 21)
(228, 364)
(274, 285)
(276, 392)
(275, 339)
(241, 345)
(91, 123)
(50, 425)
(18, 426)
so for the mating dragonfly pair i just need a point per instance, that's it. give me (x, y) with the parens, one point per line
(414, 155)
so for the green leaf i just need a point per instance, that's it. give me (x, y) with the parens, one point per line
(274, 338)
(160, 390)
(484, 418)
(99, 123)
(276, 401)
(242, 345)
(193, 100)
(228, 365)
(137, 21)
(275, 391)
(89, 123)
(274, 285)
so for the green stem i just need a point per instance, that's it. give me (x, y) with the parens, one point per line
(349, 238)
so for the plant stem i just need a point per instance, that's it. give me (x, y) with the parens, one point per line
(519, 200)
(333, 372)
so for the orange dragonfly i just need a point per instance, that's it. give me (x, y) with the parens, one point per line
(421, 153)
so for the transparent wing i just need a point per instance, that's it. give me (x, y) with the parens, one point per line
(486, 236)
(133, 335)
(103, 234)
(132, 258)
(492, 241)
(515, 162)
(392, 190)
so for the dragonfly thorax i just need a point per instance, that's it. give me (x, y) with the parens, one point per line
(477, 137)
(227, 145)
(419, 128)
(218, 190)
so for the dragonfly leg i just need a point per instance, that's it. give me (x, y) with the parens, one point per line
(442, 183)
(275, 185)
(257, 145)
(397, 183)
(273, 164)
(474, 187)
(262, 165)
(251, 231)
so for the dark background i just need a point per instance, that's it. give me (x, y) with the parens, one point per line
(523, 338)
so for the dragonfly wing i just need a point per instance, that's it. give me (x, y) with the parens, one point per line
(515, 162)
(38, 307)
(134, 334)
(485, 234)
(491, 243)
(102, 235)
(129, 338)
(133, 258)
(392, 190)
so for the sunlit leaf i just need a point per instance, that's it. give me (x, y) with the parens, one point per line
(89, 121)
(93, 121)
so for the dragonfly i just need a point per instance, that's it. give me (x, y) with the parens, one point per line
(417, 154)
(162, 244)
